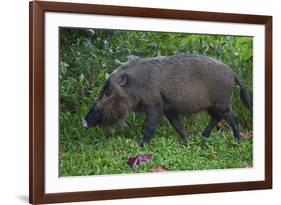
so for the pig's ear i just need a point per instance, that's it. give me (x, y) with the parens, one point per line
(132, 57)
(123, 80)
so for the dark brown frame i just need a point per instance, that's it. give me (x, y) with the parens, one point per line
(36, 106)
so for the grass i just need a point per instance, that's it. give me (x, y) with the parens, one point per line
(99, 151)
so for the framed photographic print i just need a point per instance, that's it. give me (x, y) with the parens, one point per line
(138, 102)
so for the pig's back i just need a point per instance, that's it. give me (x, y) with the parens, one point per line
(192, 83)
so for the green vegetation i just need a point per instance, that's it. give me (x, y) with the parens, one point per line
(88, 56)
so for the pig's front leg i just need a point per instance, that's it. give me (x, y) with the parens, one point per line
(153, 115)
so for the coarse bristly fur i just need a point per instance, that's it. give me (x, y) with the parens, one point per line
(113, 108)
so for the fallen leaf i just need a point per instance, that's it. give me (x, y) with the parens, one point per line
(246, 135)
(61, 156)
(159, 168)
(248, 166)
(243, 135)
(134, 162)
(215, 155)
(223, 126)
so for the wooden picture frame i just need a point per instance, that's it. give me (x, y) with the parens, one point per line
(37, 10)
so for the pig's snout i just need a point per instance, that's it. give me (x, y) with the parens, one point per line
(93, 118)
(84, 123)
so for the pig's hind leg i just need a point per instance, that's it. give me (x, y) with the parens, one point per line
(232, 121)
(215, 118)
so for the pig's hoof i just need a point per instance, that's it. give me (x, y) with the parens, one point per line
(184, 140)
(142, 144)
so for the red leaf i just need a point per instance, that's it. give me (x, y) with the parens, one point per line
(134, 162)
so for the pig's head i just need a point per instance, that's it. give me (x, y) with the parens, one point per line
(112, 105)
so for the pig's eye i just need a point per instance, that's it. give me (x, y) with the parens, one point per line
(107, 93)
